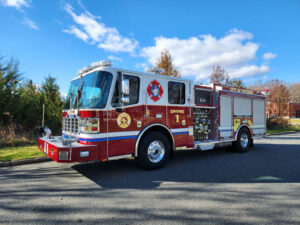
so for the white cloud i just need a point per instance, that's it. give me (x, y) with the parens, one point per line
(78, 33)
(30, 23)
(249, 71)
(141, 65)
(16, 3)
(269, 55)
(63, 95)
(105, 37)
(111, 57)
(196, 55)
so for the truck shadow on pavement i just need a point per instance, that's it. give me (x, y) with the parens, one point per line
(213, 187)
(265, 163)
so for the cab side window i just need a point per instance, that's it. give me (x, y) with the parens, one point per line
(133, 94)
(176, 93)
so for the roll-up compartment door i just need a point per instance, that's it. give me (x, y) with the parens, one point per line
(226, 116)
(259, 125)
(242, 107)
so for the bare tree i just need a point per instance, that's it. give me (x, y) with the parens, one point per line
(238, 83)
(165, 62)
(219, 76)
(278, 99)
(295, 92)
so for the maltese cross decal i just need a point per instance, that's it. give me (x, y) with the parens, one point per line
(155, 90)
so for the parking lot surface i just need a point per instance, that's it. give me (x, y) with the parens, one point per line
(261, 186)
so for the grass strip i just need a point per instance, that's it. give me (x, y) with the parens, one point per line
(279, 130)
(18, 153)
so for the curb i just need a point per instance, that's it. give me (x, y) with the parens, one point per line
(24, 161)
(288, 132)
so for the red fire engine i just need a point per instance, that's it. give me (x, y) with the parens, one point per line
(113, 113)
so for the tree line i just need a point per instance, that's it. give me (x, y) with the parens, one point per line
(21, 103)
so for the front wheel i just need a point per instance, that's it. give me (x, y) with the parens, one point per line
(154, 151)
(242, 144)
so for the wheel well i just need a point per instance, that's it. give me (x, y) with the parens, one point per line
(240, 128)
(161, 129)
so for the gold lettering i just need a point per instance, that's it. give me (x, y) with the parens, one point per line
(181, 111)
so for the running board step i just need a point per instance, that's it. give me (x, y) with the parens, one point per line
(208, 145)
(204, 147)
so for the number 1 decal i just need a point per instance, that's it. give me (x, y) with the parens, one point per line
(177, 118)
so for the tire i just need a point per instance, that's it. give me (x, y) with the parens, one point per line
(154, 151)
(243, 142)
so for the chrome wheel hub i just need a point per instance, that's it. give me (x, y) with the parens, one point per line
(244, 140)
(156, 151)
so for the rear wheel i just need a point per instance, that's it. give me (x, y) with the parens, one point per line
(242, 144)
(154, 151)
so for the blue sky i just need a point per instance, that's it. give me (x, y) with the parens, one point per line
(252, 40)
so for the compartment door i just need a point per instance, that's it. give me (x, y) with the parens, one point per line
(259, 124)
(226, 127)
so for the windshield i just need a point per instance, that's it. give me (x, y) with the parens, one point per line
(92, 89)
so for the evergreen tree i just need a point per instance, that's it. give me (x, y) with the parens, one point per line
(53, 104)
(9, 95)
(29, 109)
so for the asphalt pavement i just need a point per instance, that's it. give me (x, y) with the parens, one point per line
(261, 186)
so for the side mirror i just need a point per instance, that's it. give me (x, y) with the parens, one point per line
(125, 87)
(125, 99)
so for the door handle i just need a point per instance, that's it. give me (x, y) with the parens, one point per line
(119, 109)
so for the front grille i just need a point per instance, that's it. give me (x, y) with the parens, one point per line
(70, 125)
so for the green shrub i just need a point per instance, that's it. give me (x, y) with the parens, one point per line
(277, 122)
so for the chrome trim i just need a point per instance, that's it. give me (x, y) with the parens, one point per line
(183, 148)
(144, 130)
(205, 107)
(238, 130)
(156, 151)
(202, 143)
(119, 157)
(203, 89)
(244, 140)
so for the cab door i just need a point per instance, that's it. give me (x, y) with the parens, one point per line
(179, 113)
(124, 115)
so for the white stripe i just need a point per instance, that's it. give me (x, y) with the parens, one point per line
(124, 133)
(110, 134)
(179, 130)
(225, 128)
(259, 126)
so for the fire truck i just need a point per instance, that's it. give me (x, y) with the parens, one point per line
(112, 113)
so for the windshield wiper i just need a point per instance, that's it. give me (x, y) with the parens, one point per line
(78, 94)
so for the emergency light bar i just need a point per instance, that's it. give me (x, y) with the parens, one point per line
(266, 92)
(84, 70)
(155, 70)
(101, 63)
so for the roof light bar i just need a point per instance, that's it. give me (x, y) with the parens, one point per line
(155, 70)
(84, 70)
(101, 63)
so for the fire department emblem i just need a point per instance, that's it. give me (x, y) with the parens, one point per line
(123, 120)
(155, 90)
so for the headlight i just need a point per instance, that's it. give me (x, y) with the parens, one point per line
(89, 125)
